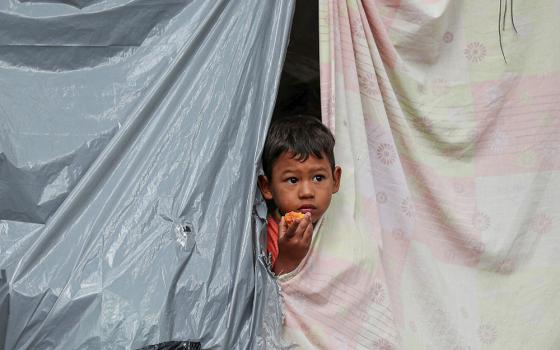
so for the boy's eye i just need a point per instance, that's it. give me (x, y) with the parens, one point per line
(292, 180)
(318, 178)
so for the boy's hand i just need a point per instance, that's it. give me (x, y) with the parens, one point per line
(293, 244)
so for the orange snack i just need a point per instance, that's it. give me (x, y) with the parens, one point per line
(292, 216)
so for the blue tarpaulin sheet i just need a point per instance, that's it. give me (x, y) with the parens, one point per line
(130, 140)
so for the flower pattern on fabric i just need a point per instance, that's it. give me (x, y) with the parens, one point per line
(399, 234)
(386, 154)
(487, 334)
(368, 84)
(447, 37)
(381, 197)
(475, 52)
(407, 207)
(480, 221)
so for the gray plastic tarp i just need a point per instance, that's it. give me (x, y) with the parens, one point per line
(130, 138)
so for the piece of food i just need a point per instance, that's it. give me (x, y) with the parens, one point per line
(293, 216)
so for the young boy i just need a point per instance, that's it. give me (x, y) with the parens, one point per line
(300, 175)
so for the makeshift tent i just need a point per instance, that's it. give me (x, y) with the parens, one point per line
(130, 142)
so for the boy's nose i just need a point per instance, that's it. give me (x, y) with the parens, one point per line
(306, 190)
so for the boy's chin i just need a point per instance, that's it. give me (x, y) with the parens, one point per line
(316, 219)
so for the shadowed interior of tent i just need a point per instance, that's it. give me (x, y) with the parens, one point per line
(299, 91)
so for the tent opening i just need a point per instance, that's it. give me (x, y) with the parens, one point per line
(299, 91)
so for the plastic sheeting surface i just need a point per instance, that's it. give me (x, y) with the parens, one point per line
(129, 142)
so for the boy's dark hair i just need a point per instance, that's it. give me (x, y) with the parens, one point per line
(300, 134)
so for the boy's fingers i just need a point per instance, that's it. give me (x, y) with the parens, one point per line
(308, 234)
(290, 229)
(296, 228)
(282, 229)
(302, 225)
(307, 227)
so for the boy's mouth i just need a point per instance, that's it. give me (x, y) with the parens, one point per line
(307, 209)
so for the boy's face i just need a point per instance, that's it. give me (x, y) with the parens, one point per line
(301, 186)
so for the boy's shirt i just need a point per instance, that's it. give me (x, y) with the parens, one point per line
(272, 239)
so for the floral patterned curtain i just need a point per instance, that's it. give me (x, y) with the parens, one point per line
(445, 233)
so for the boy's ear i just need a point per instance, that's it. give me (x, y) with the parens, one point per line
(337, 174)
(264, 186)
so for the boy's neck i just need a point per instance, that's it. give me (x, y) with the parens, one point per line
(276, 215)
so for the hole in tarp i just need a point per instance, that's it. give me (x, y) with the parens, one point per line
(299, 90)
(184, 234)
